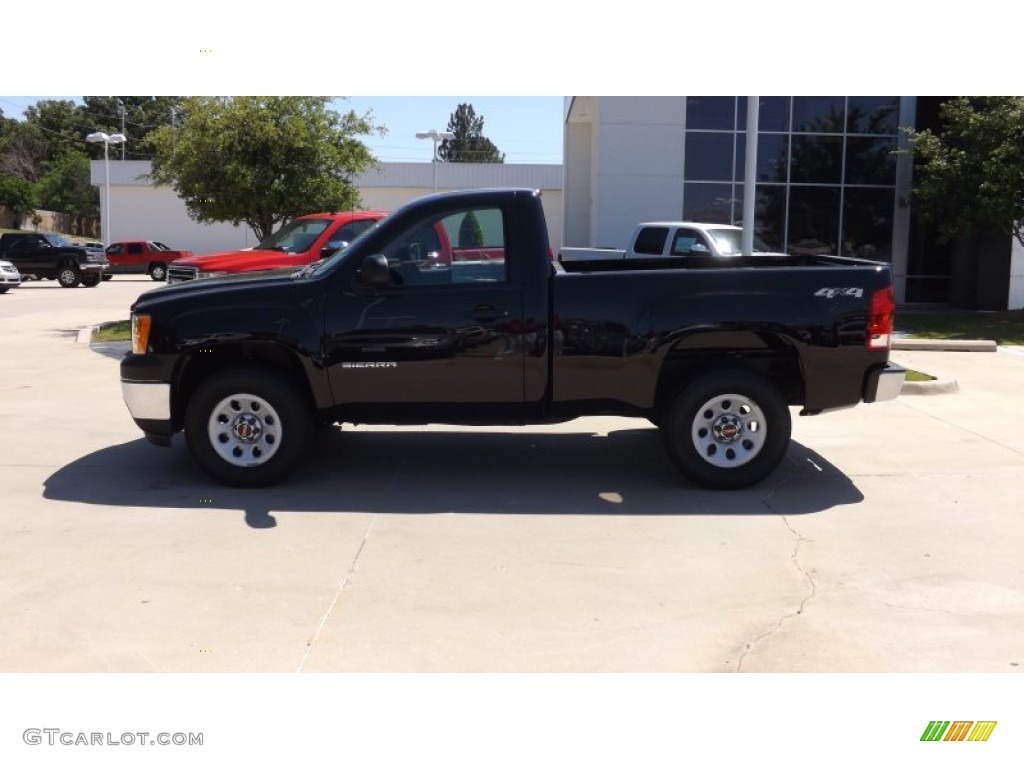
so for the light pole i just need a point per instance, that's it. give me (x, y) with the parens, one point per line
(107, 139)
(436, 136)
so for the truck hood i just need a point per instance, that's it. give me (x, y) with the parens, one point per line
(245, 281)
(239, 261)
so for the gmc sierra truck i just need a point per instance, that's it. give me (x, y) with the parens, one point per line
(53, 257)
(713, 353)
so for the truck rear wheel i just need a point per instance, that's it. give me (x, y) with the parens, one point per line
(91, 281)
(728, 430)
(246, 427)
(69, 276)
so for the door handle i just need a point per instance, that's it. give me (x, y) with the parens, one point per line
(487, 313)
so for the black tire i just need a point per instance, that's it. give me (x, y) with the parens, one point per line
(91, 281)
(158, 271)
(728, 430)
(4, 288)
(107, 276)
(248, 427)
(69, 276)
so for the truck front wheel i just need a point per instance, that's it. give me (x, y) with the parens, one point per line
(158, 271)
(246, 428)
(728, 430)
(69, 276)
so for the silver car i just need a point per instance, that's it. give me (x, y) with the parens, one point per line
(9, 276)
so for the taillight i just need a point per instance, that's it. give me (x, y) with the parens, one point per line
(881, 318)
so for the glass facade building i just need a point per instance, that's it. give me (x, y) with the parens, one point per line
(826, 170)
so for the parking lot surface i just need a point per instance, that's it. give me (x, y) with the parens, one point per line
(889, 540)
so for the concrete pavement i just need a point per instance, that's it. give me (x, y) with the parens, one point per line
(888, 541)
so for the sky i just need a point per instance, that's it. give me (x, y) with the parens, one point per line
(528, 129)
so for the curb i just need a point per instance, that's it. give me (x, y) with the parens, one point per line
(937, 387)
(85, 335)
(944, 345)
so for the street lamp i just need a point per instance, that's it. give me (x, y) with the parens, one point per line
(437, 137)
(107, 139)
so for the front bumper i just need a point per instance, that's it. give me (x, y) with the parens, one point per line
(9, 281)
(884, 383)
(149, 403)
(89, 266)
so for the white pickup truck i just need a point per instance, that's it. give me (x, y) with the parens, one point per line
(671, 239)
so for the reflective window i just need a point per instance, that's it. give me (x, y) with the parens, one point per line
(711, 112)
(819, 114)
(711, 203)
(651, 240)
(873, 114)
(709, 156)
(814, 220)
(772, 151)
(134, 248)
(870, 160)
(773, 114)
(816, 159)
(770, 215)
(867, 223)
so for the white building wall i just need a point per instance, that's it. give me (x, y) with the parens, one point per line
(140, 211)
(638, 164)
(1015, 298)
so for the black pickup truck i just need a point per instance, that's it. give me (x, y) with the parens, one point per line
(53, 257)
(387, 332)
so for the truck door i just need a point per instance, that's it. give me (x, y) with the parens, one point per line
(441, 331)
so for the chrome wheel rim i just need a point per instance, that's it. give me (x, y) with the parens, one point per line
(244, 430)
(67, 276)
(729, 430)
(158, 273)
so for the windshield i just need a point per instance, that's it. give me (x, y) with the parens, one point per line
(730, 241)
(295, 237)
(58, 241)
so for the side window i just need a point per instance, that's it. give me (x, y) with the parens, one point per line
(350, 231)
(134, 249)
(467, 246)
(115, 250)
(651, 241)
(684, 241)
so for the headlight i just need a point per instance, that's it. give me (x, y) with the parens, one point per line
(140, 333)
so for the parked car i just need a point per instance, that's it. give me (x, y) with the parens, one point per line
(53, 257)
(672, 239)
(247, 365)
(9, 276)
(302, 241)
(142, 257)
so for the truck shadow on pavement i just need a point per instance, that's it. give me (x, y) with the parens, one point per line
(625, 472)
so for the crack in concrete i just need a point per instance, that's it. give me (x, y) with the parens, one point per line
(337, 596)
(795, 560)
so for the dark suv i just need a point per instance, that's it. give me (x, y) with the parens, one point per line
(53, 257)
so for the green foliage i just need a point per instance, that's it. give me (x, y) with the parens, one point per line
(262, 160)
(471, 234)
(141, 116)
(969, 177)
(66, 187)
(469, 144)
(17, 193)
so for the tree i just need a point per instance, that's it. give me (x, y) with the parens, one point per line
(469, 144)
(66, 186)
(17, 194)
(262, 160)
(969, 176)
(138, 116)
(471, 234)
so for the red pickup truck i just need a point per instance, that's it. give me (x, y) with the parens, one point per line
(141, 257)
(307, 239)
(302, 241)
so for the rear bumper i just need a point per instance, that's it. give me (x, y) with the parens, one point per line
(883, 383)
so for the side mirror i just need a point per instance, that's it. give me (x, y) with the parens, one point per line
(333, 247)
(374, 271)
